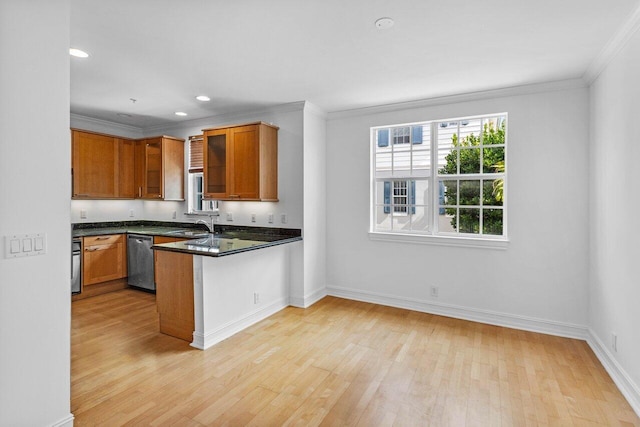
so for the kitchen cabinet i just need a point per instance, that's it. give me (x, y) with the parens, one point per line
(159, 171)
(241, 162)
(102, 166)
(104, 259)
(175, 294)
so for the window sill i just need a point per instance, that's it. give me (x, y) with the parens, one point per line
(464, 242)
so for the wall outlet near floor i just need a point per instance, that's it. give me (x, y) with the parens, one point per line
(253, 217)
(270, 218)
(229, 216)
(256, 298)
(614, 341)
(283, 218)
(435, 291)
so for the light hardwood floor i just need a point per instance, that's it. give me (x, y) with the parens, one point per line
(338, 362)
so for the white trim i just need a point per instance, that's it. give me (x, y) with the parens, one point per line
(209, 338)
(455, 241)
(629, 389)
(65, 422)
(236, 117)
(315, 110)
(464, 97)
(308, 300)
(88, 123)
(613, 47)
(507, 320)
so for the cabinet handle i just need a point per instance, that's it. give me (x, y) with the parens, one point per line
(103, 238)
(234, 195)
(82, 195)
(139, 191)
(91, 249)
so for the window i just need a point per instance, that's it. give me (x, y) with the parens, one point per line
(440, 178)
(195, 184)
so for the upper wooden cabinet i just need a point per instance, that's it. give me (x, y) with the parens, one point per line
(111, 167)
(102, 166)
(241, 162)
(160, 168)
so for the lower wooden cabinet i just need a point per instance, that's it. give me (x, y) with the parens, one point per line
(174, 294)
(104, 265)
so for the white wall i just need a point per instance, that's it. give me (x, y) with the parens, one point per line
(540, 281)
(615, 203)
(35, 311)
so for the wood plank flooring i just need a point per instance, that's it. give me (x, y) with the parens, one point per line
(337, 363)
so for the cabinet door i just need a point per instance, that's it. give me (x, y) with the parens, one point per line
(245, 158)
(94, 163)
(126, 176)
(215, 162)
(173, 169)
(149, 168)
(102, 262)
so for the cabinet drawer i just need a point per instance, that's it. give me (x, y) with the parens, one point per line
(103, 240)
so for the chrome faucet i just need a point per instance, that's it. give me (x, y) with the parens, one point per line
(210, 227)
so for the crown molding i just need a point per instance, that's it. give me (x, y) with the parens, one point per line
(613, 47)
(99, 125)
(314, 109)
(226, 117)
(464, 97)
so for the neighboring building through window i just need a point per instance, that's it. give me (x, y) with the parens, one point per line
(440, 178)
(195, 185)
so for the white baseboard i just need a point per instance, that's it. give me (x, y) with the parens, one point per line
(626, 385)
(210, 338)
(473, 314)
(65, 422)
(308, 300)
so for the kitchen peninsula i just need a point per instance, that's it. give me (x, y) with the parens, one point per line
(213, 287)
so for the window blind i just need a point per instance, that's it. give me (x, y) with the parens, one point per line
(195, 154)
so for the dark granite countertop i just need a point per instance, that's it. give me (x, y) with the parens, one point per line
(217, 245)
(227, 239)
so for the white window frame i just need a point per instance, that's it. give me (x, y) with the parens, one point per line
(433, 235)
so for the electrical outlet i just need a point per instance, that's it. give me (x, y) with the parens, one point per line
(83, 214)
(131, 214)
(283, 218)
(256, 298)
(614, 342)
(229, 216)
(253, 217)
(175, 215)
(435, 291)
(270, 218)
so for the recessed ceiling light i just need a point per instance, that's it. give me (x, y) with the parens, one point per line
(78, 53)
(180, 113)
(203, 98)
(384, 23)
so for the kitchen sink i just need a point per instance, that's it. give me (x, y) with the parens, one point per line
(189, 233)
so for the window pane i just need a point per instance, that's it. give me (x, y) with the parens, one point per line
(420, 218)
(380, 196)
(447, 220)
(492, 192)
(469, 160)
(470, 192)
(492, 221)
(469, 221)
(447, 162)
(421, 161)
(421, 196)
(400, 220)
(450, 192)
(493, 130)
(470, 132)
(493, 160)
(402, 158)
(382, 219)
(383, 163)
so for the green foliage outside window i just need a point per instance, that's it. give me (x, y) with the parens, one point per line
(492, 160)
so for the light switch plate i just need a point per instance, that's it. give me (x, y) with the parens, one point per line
(21, 245)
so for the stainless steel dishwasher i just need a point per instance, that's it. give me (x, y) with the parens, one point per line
(140, 262)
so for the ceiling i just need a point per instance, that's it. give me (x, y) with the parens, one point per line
(252, 54)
